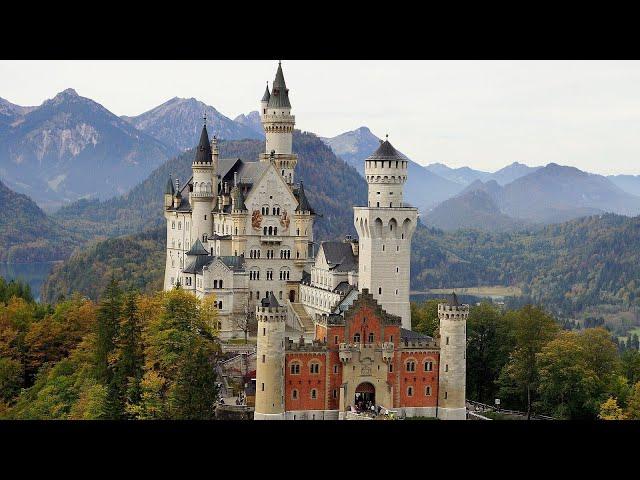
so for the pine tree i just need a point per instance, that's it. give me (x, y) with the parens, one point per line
(125, 387)
(108, 318)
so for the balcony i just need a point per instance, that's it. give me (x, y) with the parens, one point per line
(346, 351)
(270, 239)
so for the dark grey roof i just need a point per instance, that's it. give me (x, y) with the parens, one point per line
(411, 335)
(169, 190)
(265, 97)
(339, 256)
(200, 261)
(195, 266)
(385, 152)
(197, 249)
(303, 203)
(203, 150)
(279, 93)
(270, 301)
(453, 300)
(343, 288)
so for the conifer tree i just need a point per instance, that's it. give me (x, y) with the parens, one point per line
(108, 318)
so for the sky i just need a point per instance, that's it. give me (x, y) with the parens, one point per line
(481, 114)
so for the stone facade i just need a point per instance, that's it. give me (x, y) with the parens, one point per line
(242, 231)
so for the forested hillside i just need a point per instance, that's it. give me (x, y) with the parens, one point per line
(27, 234)
(331, 186)
(567, 267)
(137, 261)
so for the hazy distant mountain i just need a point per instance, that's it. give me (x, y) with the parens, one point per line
(471, 209)
(251, 120)
(628, 183)
(461, 175)
(70, 147)
(557, 193)
(424, 189)
(10, 112)
(512, 172)
(178, 123)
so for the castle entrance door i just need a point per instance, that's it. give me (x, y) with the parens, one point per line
(292, 296)
(365, 396)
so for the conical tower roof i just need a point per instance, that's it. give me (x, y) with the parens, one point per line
(197, 249)
(279, 93)
(270, 301)
(453, 300)
(303, 203)
(267, 95)
(169, 190)
(203, 151)
(385, 152)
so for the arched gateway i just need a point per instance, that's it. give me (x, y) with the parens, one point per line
(365, 394)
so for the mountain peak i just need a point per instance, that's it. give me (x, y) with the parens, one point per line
(68, 92)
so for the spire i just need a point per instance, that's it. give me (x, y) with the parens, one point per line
(303, 203)
(265, 97)
(169, 190)
(203, 151)
(453, 301)
(279, 92)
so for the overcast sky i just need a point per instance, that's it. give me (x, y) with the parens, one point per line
(482, 114)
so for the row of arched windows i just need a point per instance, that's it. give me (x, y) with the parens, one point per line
(270, 231)
(410, 366)
(274, 211)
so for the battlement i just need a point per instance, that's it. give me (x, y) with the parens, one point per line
(385, 349)
(302, 346)
(453, 311)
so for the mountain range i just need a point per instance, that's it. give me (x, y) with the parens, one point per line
(70, 147)
(177, 123)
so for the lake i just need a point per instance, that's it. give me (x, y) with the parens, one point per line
(32, 273)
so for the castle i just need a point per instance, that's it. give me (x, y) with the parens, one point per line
(243, 232)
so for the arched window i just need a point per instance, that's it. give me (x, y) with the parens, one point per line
(314, 394)
(410, 392)
(314, 368)
(411, 366)
(427, 391)
(356, 338)
(294, 394)
(295, 368)
(428, 366)
(371, 337)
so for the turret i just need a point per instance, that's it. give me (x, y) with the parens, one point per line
(177, 197)
(265, 101)
(203, 194)
(278, 126)
(271, 319)
(453, 359)
(169, 192)
(385, 228)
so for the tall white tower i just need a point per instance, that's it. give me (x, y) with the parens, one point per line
(385, 228)
(270, 360)
(453, 360)
(204, 186)
(278, 123)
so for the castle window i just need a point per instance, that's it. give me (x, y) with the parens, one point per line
(263, 387)
(220, 283)
(446, 394)
(356, 338)
(446, 367)
(295, 368)
(263, 358)
(335, 369)
(379, 290)
(335, 340)
(428, 366)
(264, 332)
(314, 394)
(314, 368)
(411, 366)
(397, 269)
(447, 340)
(173, 225)
(179, 225)
(391, 338)
(335, 393)
(294, 394)
(391, 368)
(410, 392)
(371, 337)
